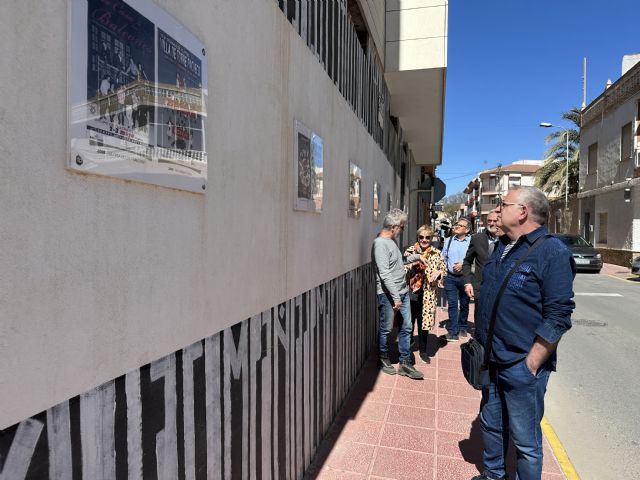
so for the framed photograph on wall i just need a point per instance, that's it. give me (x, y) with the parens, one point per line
(376, 201)
(307, 169)
(355, 190)
(137, 95)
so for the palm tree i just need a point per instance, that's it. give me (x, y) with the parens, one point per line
(551, 177)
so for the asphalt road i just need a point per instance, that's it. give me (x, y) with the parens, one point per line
(593, 400)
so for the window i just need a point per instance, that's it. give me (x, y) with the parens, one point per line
(626, 143)
(602, 227)
(592, 161)
(514, 181)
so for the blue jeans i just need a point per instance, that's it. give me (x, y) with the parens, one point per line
(454, 288)
(513, 404)
(387, 314)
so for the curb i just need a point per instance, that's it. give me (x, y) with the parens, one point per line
(558, 450)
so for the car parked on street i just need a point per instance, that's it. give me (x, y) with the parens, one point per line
(635, 266)
(585, 255)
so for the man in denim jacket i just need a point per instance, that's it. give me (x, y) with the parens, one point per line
(533, 314)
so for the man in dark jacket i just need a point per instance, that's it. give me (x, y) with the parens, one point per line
(481, 247)
(531, 317)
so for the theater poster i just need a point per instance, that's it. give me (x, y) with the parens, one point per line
(308, 169)
(137, 95)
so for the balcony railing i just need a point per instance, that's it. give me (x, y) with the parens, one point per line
(353, 65)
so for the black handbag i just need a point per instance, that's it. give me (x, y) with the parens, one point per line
(474, 357)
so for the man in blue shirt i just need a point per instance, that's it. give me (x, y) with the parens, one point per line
(454, 251)
(533, 314)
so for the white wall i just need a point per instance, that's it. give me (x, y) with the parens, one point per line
(416, 34)
(100, 276)
(374, 15)
(607, 133)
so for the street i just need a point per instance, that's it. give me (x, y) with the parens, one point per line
(593, 400)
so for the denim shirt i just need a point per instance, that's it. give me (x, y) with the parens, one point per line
(538, 299)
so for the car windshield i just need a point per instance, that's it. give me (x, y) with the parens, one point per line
(574, 240)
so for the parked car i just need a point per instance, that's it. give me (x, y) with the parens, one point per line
(586, 257)
(635, 266)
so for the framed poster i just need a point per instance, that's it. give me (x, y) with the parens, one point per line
(376, 201)
(307, 169)
(355, 188)
(137, 95)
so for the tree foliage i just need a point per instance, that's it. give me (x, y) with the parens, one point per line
(451, 205)
(551, 178)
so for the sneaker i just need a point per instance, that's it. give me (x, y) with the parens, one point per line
(386, 366)
(463, 332)
(424, 357)
(451, 338)
(409, 370)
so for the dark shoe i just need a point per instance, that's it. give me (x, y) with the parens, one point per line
(409, 370)
(386, 366)
(424, 357)
(484, 477)
(451, 338)
(463, 332)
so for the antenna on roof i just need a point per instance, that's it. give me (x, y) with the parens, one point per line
(584, 83)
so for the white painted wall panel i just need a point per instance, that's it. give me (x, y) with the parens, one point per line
(100, 276)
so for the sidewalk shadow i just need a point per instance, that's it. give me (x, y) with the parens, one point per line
(471, 450)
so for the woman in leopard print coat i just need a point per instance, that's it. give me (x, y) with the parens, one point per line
(423, 285)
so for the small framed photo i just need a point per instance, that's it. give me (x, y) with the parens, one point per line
(308, 169)
(355, 190)
(376, 201)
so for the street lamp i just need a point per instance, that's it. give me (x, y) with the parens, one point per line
(566, 187)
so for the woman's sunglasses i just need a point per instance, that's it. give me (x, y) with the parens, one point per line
(422, 237)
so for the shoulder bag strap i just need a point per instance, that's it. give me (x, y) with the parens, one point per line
(492, 322)
(446, 257)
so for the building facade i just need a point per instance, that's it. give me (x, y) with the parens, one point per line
(609, 196)
(154, 332)
(494, 184)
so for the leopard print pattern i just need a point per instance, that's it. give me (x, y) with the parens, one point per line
(435, 263)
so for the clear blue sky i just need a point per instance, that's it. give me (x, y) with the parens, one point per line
(515, 63)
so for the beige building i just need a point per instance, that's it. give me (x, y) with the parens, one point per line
(609, 196)
(485, 191)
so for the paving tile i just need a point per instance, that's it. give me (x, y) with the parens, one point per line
(549, 462)
(443, 354)
(350, 456)
(412, 416)
(454, 469)
(457, 389)
(426, 385)
(411, 398)
(400, 464)
(460, 445)
(378, 394)
(362, 431)
(369, 410)
(553, 476)
(449, 364)
(449, 403)
(331, 474)
(454, 422)
(453, 376)
(408, 438)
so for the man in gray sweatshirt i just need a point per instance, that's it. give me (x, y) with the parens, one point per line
(393, 293)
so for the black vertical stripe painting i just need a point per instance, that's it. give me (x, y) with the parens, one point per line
(251, 401)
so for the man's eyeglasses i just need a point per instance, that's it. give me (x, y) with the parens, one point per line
(423, 237)
(503, 204)
(463, 225)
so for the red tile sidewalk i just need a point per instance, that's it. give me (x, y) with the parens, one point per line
(392, 427)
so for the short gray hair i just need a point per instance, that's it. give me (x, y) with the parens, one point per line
(536, 201)
(393, 217)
